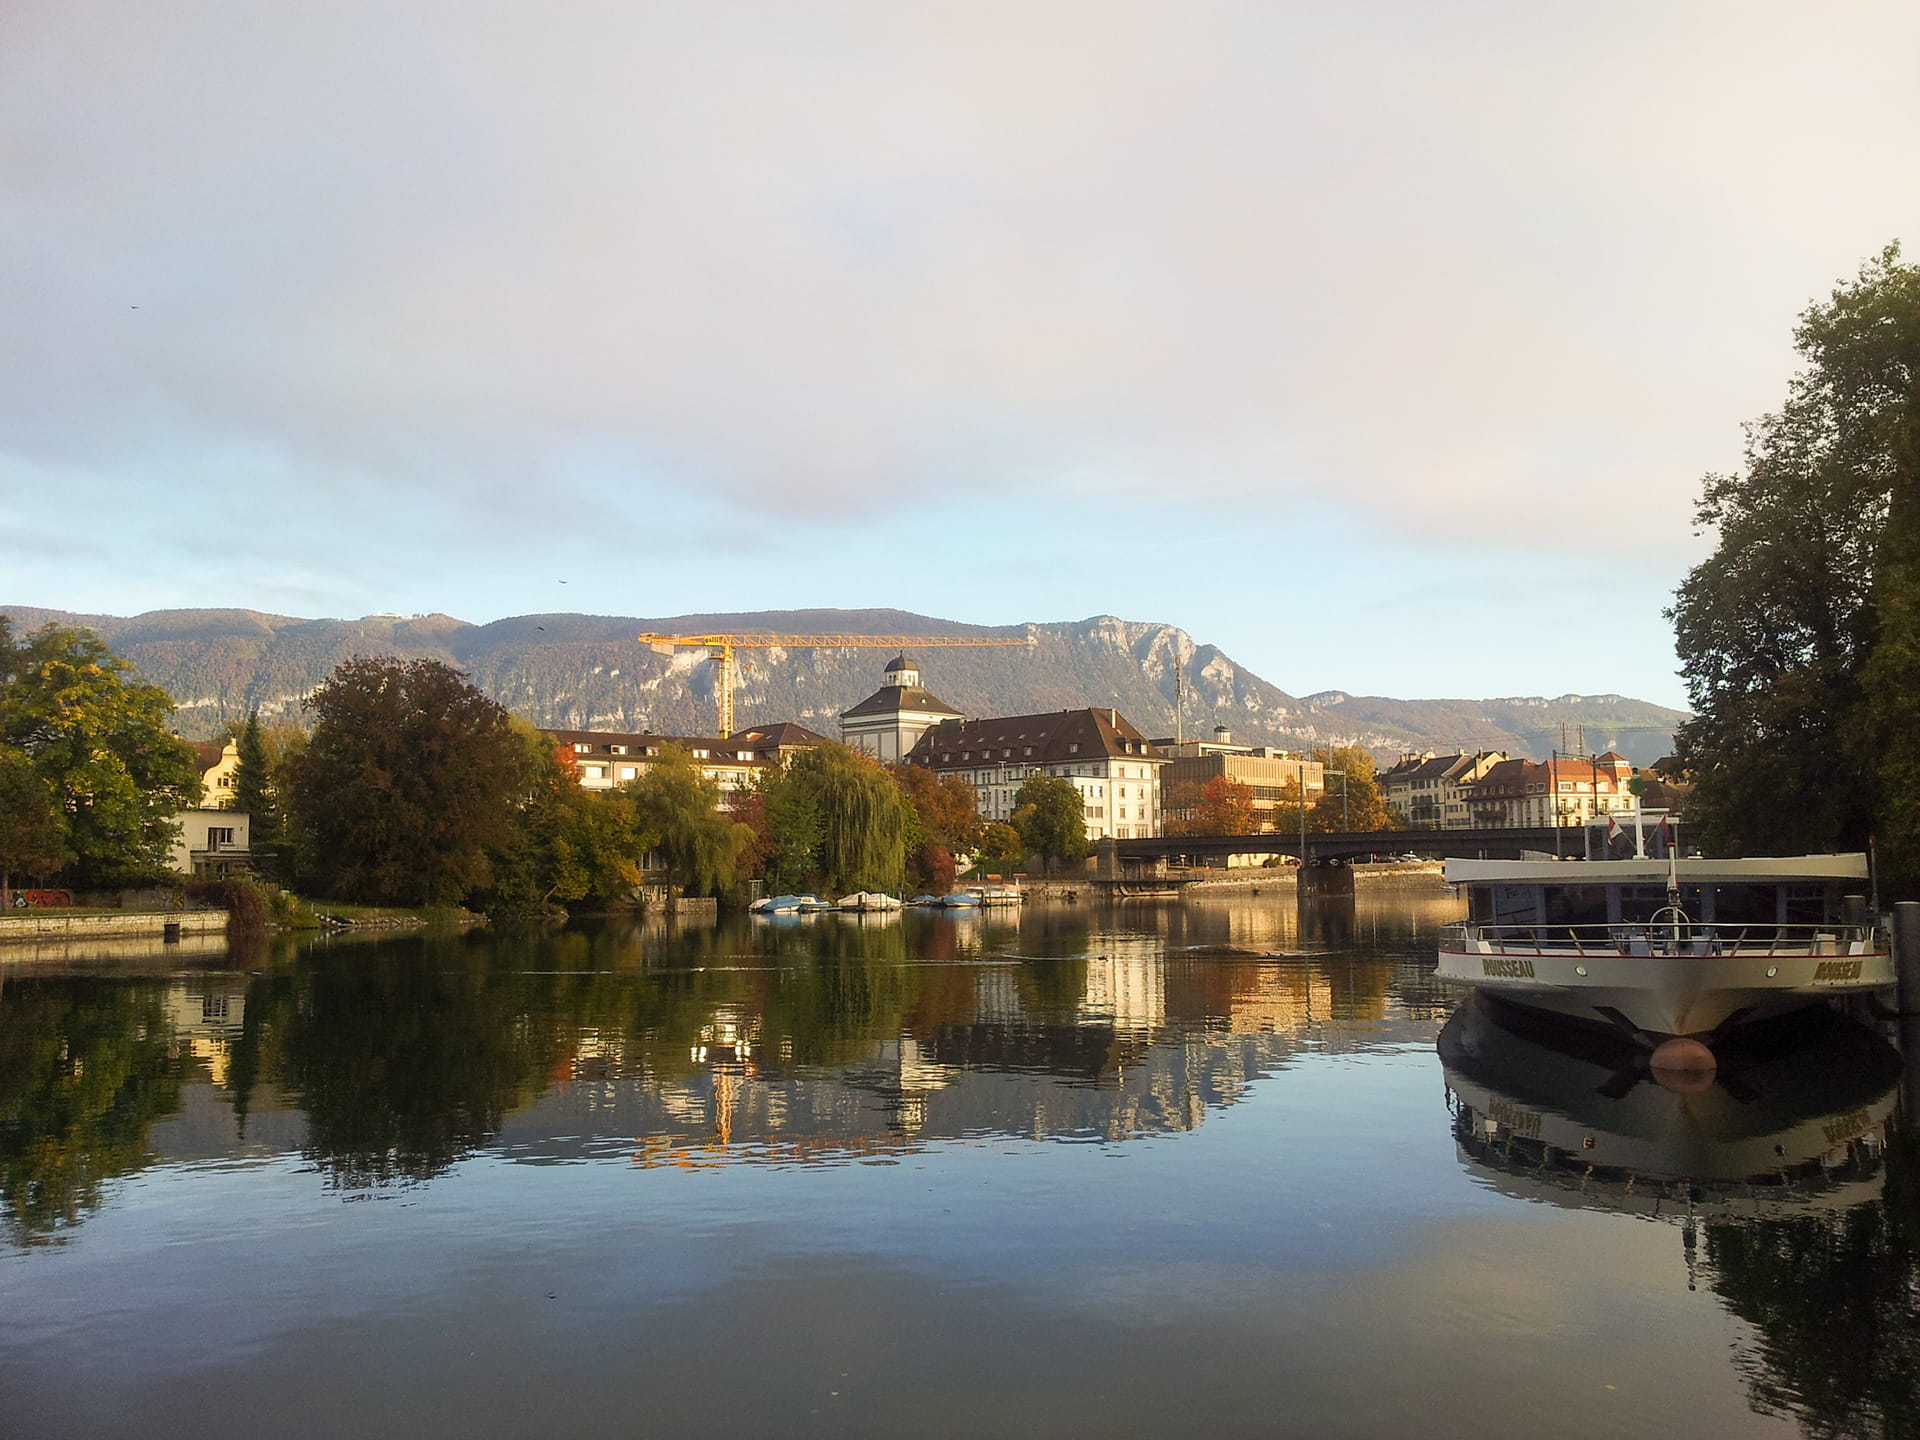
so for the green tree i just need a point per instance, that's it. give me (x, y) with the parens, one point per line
(32, 837)
(1051, 817)
(1799, 637)
(254, 793)
(570, 845)
(410, 786)
(98, 737)
(679, 806)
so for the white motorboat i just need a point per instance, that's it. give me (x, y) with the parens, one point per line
(1664, 948)
(864, 901)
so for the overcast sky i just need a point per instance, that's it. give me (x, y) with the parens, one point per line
(1382, 344)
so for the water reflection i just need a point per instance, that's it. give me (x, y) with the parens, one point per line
(389, 1062)
(1793, 1179)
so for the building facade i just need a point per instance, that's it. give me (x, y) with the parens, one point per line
(889, 722)
(1427, 788)
(1566, 792)
(210, 843)
(1113, 766)
(606, 760)
(1270, 775)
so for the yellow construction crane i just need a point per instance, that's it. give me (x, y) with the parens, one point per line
(725, 645)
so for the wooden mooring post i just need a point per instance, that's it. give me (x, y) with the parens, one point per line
(1906, 955)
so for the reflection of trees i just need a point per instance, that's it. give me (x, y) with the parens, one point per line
(1832, 1297)
(406, 1065)
(85, 1067)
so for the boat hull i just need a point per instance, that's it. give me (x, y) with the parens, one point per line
(1662, 996)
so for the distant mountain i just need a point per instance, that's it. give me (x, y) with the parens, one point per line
(587, 672)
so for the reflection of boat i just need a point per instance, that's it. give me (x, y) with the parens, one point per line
(1797, 1110)
(1658, 948)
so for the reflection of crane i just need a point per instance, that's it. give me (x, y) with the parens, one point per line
(725, 645)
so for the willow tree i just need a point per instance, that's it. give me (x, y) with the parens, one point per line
(1799, 636)
(851, 821)
(678, 805)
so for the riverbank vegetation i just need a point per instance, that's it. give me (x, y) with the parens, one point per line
(1799, 636)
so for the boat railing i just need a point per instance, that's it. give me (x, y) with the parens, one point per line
(1666, 935)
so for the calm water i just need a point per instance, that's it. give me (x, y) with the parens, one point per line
(1087, 1172)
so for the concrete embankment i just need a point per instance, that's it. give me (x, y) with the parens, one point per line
(1214, 882)
(61, 927)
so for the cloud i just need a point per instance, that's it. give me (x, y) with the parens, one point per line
(1481, 265)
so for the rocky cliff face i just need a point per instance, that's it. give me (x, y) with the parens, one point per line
(588, 672)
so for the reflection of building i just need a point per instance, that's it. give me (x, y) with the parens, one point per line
(1126, 992)
(1270, 775)
(205, 1024)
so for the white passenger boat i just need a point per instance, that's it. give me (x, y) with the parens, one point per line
(1663, 948)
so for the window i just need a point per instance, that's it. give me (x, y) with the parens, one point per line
(581, 749)
(594, 772)
(703, 754)
(628, 772)
(1074, 748)
(618, 749)
(219, 837)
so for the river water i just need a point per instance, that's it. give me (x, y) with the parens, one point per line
(1148, 1169)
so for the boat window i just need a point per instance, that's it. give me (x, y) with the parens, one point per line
(1746, 904)
(1805, 904)
(1576, 904)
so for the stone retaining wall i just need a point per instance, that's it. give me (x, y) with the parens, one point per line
(55, 925)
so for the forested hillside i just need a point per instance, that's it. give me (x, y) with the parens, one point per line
(588, 672)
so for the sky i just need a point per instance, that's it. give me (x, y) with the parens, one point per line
(1383, 345)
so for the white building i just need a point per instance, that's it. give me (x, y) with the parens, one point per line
(889, 723)
(606, 759)
(208, 844)
(1115, 768)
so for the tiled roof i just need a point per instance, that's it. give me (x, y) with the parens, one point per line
(762, 742)
(891, 699)
(1054, 737)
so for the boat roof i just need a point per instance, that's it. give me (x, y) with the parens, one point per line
(1762, 870)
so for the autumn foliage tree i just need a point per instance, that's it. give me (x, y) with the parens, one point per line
(410, 787)
(1225, 808)
(1360, 807)
(98, 739)
(944, 824)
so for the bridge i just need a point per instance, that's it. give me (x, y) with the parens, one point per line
(1502, 843)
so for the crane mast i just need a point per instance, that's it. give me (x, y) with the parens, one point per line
(724, 644)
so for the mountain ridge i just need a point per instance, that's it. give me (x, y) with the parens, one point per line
(573, 671)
